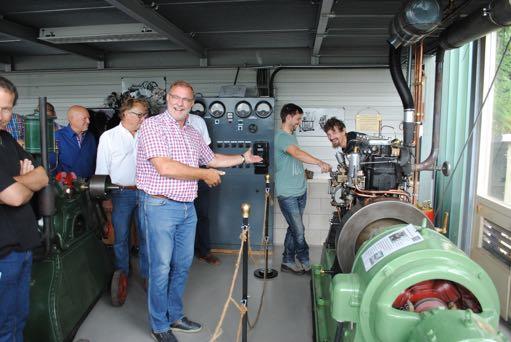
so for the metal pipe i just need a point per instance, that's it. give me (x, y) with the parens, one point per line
(309, 67)
(409, 67)
(245, 213)
(46, 199)
(416, 19)
(419, 114)
(495, 15)
(396, 72)
(429, 163)
(43, 128)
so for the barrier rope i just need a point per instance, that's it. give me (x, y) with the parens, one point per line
(251, 325)
(241, 308)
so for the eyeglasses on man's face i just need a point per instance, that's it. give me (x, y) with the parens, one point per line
(179, 98)
(6, 110)
(139, 115)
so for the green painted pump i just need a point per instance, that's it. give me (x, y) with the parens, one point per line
(406, 282)
(71, 269)
(68, 279)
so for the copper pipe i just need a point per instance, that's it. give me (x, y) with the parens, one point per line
(419, 114)
(375, 193)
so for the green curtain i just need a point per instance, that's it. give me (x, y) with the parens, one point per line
(451, 192)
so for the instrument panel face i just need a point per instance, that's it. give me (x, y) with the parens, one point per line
(236, 125)
(198, 108)
(217, 109)
(243, 109)
(263, 109)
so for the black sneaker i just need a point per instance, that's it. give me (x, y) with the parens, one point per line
(166, 336)
(185, 325)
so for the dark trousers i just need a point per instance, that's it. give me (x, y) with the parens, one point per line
(15, 270)
(202, 240)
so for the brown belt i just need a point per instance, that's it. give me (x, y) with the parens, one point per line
(159, 196)
(128, 187)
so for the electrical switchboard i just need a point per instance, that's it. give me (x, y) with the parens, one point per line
(235, 125)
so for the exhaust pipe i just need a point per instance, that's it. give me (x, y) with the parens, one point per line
(416, 19)
(478, 24)
(430, 162)
(404, 93)
(46, 198)
(495, 15)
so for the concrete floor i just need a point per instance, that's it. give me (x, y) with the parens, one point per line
(286, 315)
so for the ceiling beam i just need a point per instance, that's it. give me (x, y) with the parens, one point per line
(31, 34)
(326, 8)
(138, 11)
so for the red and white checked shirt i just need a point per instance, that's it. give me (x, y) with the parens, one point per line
(161, 136)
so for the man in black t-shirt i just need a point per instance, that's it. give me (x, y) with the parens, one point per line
(336, 132)
(19, 179)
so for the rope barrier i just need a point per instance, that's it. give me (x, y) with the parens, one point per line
(218, 329)
(267, 198)
(242, 308)
(259, 309)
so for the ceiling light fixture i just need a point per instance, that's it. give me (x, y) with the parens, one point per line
(99, 33)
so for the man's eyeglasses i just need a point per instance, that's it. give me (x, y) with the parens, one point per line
(6, 111)
(177, 98)
(139, 115)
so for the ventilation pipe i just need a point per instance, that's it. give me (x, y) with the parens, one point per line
(495, 15)
(396, 72)
(416, 19)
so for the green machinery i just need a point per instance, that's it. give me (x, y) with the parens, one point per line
(395, 279)
(71, 269)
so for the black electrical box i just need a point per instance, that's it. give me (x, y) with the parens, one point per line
(262, 149)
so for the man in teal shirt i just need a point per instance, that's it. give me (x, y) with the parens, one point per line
(291, 188)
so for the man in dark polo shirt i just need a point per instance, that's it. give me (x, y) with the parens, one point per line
(19, 179)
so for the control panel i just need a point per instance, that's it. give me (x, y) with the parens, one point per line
(236, 125)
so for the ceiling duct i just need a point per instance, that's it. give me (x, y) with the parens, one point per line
(495, 15)
(416, 19)
(99, 33)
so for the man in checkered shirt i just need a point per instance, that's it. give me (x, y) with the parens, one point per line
(169, 153)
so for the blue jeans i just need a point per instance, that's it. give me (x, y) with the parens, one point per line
(294, 244)
(15, 270)
(170, 228)
(125, 206)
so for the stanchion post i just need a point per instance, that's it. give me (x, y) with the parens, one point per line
(245, 213)
(260, 272)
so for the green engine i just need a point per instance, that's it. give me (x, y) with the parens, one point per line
(393, 279)
(71, 269)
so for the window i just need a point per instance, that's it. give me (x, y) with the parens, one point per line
(495, 161)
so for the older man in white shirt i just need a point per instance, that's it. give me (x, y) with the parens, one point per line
(201, 203)
(117, 158)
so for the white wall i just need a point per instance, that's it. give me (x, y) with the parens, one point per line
(363, 90)
(90, 88)
(358, 91)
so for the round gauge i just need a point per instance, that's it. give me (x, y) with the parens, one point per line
(263, 109)
(243, 109)
(198, 108)
(217, 109)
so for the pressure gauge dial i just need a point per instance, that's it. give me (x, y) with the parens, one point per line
(217, 109)
(243, 109)
(263, 109)
(198, 108)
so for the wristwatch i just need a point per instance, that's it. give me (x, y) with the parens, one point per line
(242, 159)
